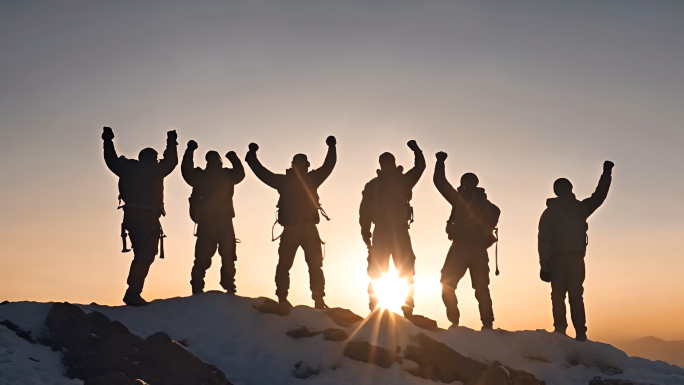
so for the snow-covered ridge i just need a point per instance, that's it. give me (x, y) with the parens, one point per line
(252, 347)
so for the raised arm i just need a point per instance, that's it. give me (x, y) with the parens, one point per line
(413, 175)
(188, 164)
(264, 175)
(237, 173)
(443, 186)
(321, 174)
(170, 160)
(599, 196)
(111, 158)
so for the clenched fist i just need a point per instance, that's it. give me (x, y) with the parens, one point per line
(413, 145)
(107, 133)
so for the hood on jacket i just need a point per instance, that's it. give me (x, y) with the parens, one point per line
(569, 199)
(472, 194)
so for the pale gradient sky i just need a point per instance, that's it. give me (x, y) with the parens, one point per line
(520, 93)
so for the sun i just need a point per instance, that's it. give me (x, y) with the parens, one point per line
(391, 290)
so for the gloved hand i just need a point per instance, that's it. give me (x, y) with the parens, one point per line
(232, 156)
(107, 133)
(545, 275)
(413, 145)
(441, 156)
(172, 137)
(331, 141)
(251, 154)
(366, 235)
(192, 145)
(608, 166)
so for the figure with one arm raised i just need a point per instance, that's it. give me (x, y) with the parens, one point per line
(386, 204)
(562, 245)
(471, 228)
(141, 188)
(211, 208)
(298, 213)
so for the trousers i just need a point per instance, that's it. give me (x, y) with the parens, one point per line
(567, 277)
(304, 235)
(212, 234)
(144, 230)
(395, 241)
(461, 258)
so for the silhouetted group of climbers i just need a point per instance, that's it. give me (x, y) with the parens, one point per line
(385, 215)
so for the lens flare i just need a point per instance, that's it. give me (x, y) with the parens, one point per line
(391, 290)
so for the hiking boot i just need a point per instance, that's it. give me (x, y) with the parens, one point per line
(560, 331)
(487, 326)
(134, 300)
(197, 291)
(581, 337)
(283, 301)
(407, 310)
(319, 303)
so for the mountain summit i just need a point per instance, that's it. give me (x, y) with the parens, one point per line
(227, 339)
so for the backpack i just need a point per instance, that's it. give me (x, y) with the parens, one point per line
(474, 224)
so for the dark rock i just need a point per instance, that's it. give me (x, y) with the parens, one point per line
(96, 347)
(302, 371)
(18, 331)
(423, 322)
(4, 302)
(438, 362)
(301, 332)
(365, 352)
(272, 307)
(333, 334)
(159, 339)
(497, 374)
(593, 362)
(111, 378)
(599, 381)
(343, 317)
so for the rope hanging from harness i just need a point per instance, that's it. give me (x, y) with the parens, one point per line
(496, 250)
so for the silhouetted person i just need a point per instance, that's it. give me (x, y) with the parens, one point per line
(211, 207)
(562, 246)
(141, 187)
(385, 203)
(298, 213)
(471, 229)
